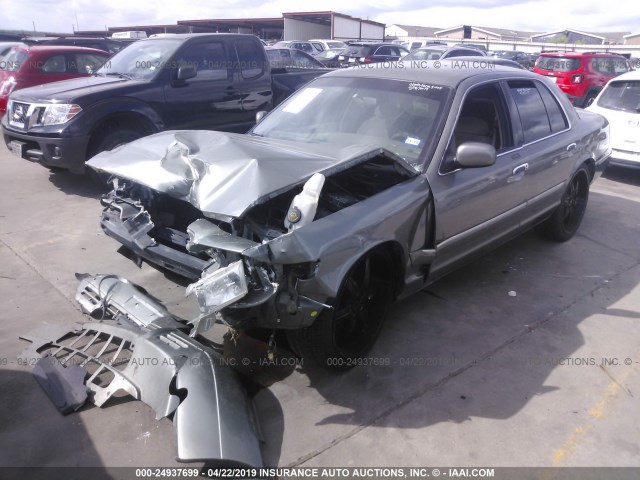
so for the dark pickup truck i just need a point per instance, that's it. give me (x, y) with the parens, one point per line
(190, 81)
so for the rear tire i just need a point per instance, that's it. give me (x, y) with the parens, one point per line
(566, 219)
(343, 334)
(589, 99)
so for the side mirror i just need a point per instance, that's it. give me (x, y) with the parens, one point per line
(260, 115)
(186, 72)
(475, 155)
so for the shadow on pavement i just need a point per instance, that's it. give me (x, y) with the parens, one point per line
(630, 176)
(61, 441)
(74, 184)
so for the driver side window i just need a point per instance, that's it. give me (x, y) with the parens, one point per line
(483, 118)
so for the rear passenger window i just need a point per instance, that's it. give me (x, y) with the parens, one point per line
(556, 116)
(251, 59)
(532, 110)
(54, 64)
(208, 59)
(384, 51)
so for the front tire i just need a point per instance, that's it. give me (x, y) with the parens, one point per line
(566, 219)
(108, 141)
(340, 336)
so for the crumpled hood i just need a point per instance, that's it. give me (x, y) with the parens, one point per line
(222, 174)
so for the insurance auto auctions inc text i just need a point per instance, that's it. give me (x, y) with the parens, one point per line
(352, 472)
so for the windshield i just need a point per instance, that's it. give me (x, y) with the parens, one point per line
(623, 96)
(141, 60)
(558, 64)
(13, 60)
(424, 54)
(399, 116)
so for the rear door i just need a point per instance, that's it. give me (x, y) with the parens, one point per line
(253, 80)
(211, 100)
(549, 146)
(48, 67)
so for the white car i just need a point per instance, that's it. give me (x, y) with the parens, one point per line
(328, 44)
(619, 102)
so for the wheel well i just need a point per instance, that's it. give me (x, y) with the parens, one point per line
(392, 251)
(591, 167)
(121, 121)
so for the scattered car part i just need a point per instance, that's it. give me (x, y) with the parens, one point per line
(152, 361)
(64, 386)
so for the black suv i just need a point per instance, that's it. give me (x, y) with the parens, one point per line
(357, 53)
(522, 58)
(100, 43)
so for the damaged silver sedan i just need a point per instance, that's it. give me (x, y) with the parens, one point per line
(362, 188)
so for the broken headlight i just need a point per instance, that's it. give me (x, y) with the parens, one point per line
(220, 288)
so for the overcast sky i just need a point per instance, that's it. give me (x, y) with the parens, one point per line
(542, 15)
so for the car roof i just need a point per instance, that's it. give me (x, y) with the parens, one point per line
(487, 60)
(632, 75)
(372, 44)
(445, 74)
(60, 48)
(436, 47)
(185, 36)
(580, 54)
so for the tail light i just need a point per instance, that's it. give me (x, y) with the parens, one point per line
(367, 59)
(7, 86)
(577, 78)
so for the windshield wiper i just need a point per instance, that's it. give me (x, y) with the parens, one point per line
(121, 75)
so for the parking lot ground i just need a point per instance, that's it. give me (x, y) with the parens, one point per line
(463, 374)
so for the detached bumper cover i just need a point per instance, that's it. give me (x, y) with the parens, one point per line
(158, 364)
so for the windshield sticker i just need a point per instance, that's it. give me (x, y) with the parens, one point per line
(412, 141)
(301, 100)
(423, 87)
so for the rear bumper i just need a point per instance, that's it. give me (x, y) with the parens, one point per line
(625, 158)
(69, 152)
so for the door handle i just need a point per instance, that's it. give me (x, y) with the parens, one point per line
(521, 168)
(571, 147)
